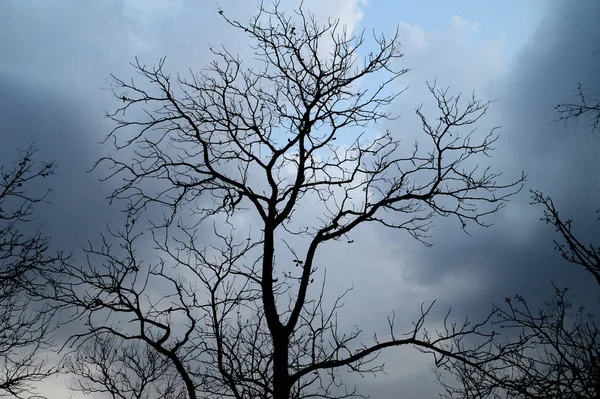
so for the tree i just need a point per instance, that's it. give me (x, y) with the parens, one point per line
(26, 327)
(225, 313)
(551, 353)
(587, 106)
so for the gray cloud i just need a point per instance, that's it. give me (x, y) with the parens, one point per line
(56, 57)
(516, 253)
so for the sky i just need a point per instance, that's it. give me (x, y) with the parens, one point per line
(526, 55)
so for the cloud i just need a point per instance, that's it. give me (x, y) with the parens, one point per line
(460, 23)
(349, 12)
(413, 38)
(516, 254)
(57, 55)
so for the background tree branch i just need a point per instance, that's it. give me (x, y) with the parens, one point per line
(26, 326)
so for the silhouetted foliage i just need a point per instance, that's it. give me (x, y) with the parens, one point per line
(26, 327)
(229, 312)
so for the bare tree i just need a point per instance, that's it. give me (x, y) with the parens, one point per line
(25, 326)
(588, 107)
(550, 353)
(246, 315)
(126, 370)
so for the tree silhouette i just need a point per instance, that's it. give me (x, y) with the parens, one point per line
(550, 353)
(588, 107)
(231, 311)
(26, 327)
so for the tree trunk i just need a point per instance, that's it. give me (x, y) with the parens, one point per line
(281, 385)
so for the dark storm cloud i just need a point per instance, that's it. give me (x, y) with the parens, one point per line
(61, 130)
(516, 254)
(54, 65)
(55, 60)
